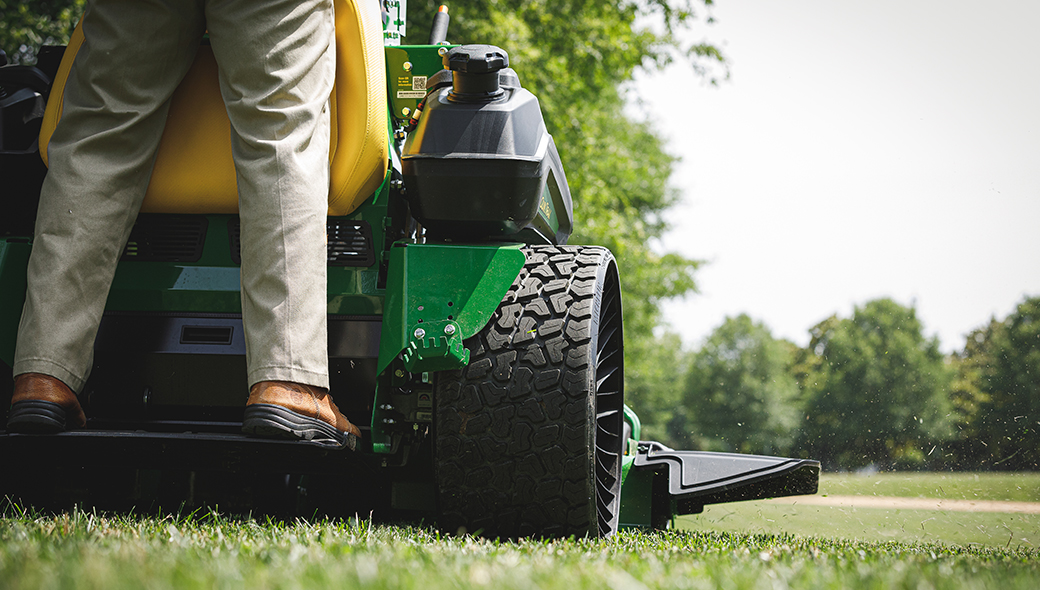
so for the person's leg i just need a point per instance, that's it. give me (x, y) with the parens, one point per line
(277, 66)
(134, 54)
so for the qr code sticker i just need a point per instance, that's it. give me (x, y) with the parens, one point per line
(418, 82)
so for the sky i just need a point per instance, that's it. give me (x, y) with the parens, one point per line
(859, 150)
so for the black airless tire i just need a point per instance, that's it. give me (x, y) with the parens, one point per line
(529, 435)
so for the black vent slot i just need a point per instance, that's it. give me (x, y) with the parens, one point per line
(166, 238)
(206, 334)
(350, 242)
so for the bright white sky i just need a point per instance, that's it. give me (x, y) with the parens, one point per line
(860, 150)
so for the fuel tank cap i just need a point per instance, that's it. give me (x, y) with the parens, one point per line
(475, 72)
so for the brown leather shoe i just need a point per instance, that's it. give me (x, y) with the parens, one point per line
(42, 404)
(282, 409)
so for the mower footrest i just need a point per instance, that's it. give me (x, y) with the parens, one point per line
(202, 451)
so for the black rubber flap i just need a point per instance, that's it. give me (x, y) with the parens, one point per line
(697, 478)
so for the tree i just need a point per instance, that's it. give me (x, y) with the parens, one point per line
(28, 24)
(968, 448)
(877, 389)
(740, 394)
(1006, 359)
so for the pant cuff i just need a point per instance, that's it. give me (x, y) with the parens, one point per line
(50, 368)
(290, 374)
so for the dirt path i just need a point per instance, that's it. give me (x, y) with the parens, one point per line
(890, 503)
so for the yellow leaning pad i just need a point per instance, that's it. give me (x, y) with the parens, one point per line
(194, 172)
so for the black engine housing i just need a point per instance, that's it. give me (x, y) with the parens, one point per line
(481, 164)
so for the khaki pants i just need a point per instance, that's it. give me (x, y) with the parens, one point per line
(277, 65)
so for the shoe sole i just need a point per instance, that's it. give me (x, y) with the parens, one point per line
(36, 417)
(271, 421)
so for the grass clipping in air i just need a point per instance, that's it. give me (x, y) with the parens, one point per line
(87, 550)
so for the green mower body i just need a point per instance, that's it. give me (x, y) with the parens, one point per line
(482, 356)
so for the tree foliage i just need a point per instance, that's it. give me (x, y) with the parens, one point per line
(654, 391)
(878, 389)
(968, 446)
(873, 390)
(740, 394)
(1004, 358)
(28, 24)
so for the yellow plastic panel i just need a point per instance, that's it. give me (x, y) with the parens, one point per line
(194, 171)
(361, 148)
(54, 101)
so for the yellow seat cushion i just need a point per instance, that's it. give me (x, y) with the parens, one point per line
(194, 172)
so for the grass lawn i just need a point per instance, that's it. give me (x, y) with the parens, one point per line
(736, 546)
(876, 525)
(85, 550)
(1017, 487)
(988, 529)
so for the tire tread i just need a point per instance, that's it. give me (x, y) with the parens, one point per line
(513, 451)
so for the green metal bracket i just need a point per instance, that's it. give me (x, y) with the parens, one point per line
(435, 346)
(637, 491)
(636, 486)
(408, 67)
(437, 296)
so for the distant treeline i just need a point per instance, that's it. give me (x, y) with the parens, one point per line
(869, 390)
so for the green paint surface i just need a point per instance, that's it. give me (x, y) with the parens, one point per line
(431, 286)
(408, 67)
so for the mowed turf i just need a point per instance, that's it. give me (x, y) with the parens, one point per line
(735, 546)
(989, 529)
(86, 550)
(1013, 487)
